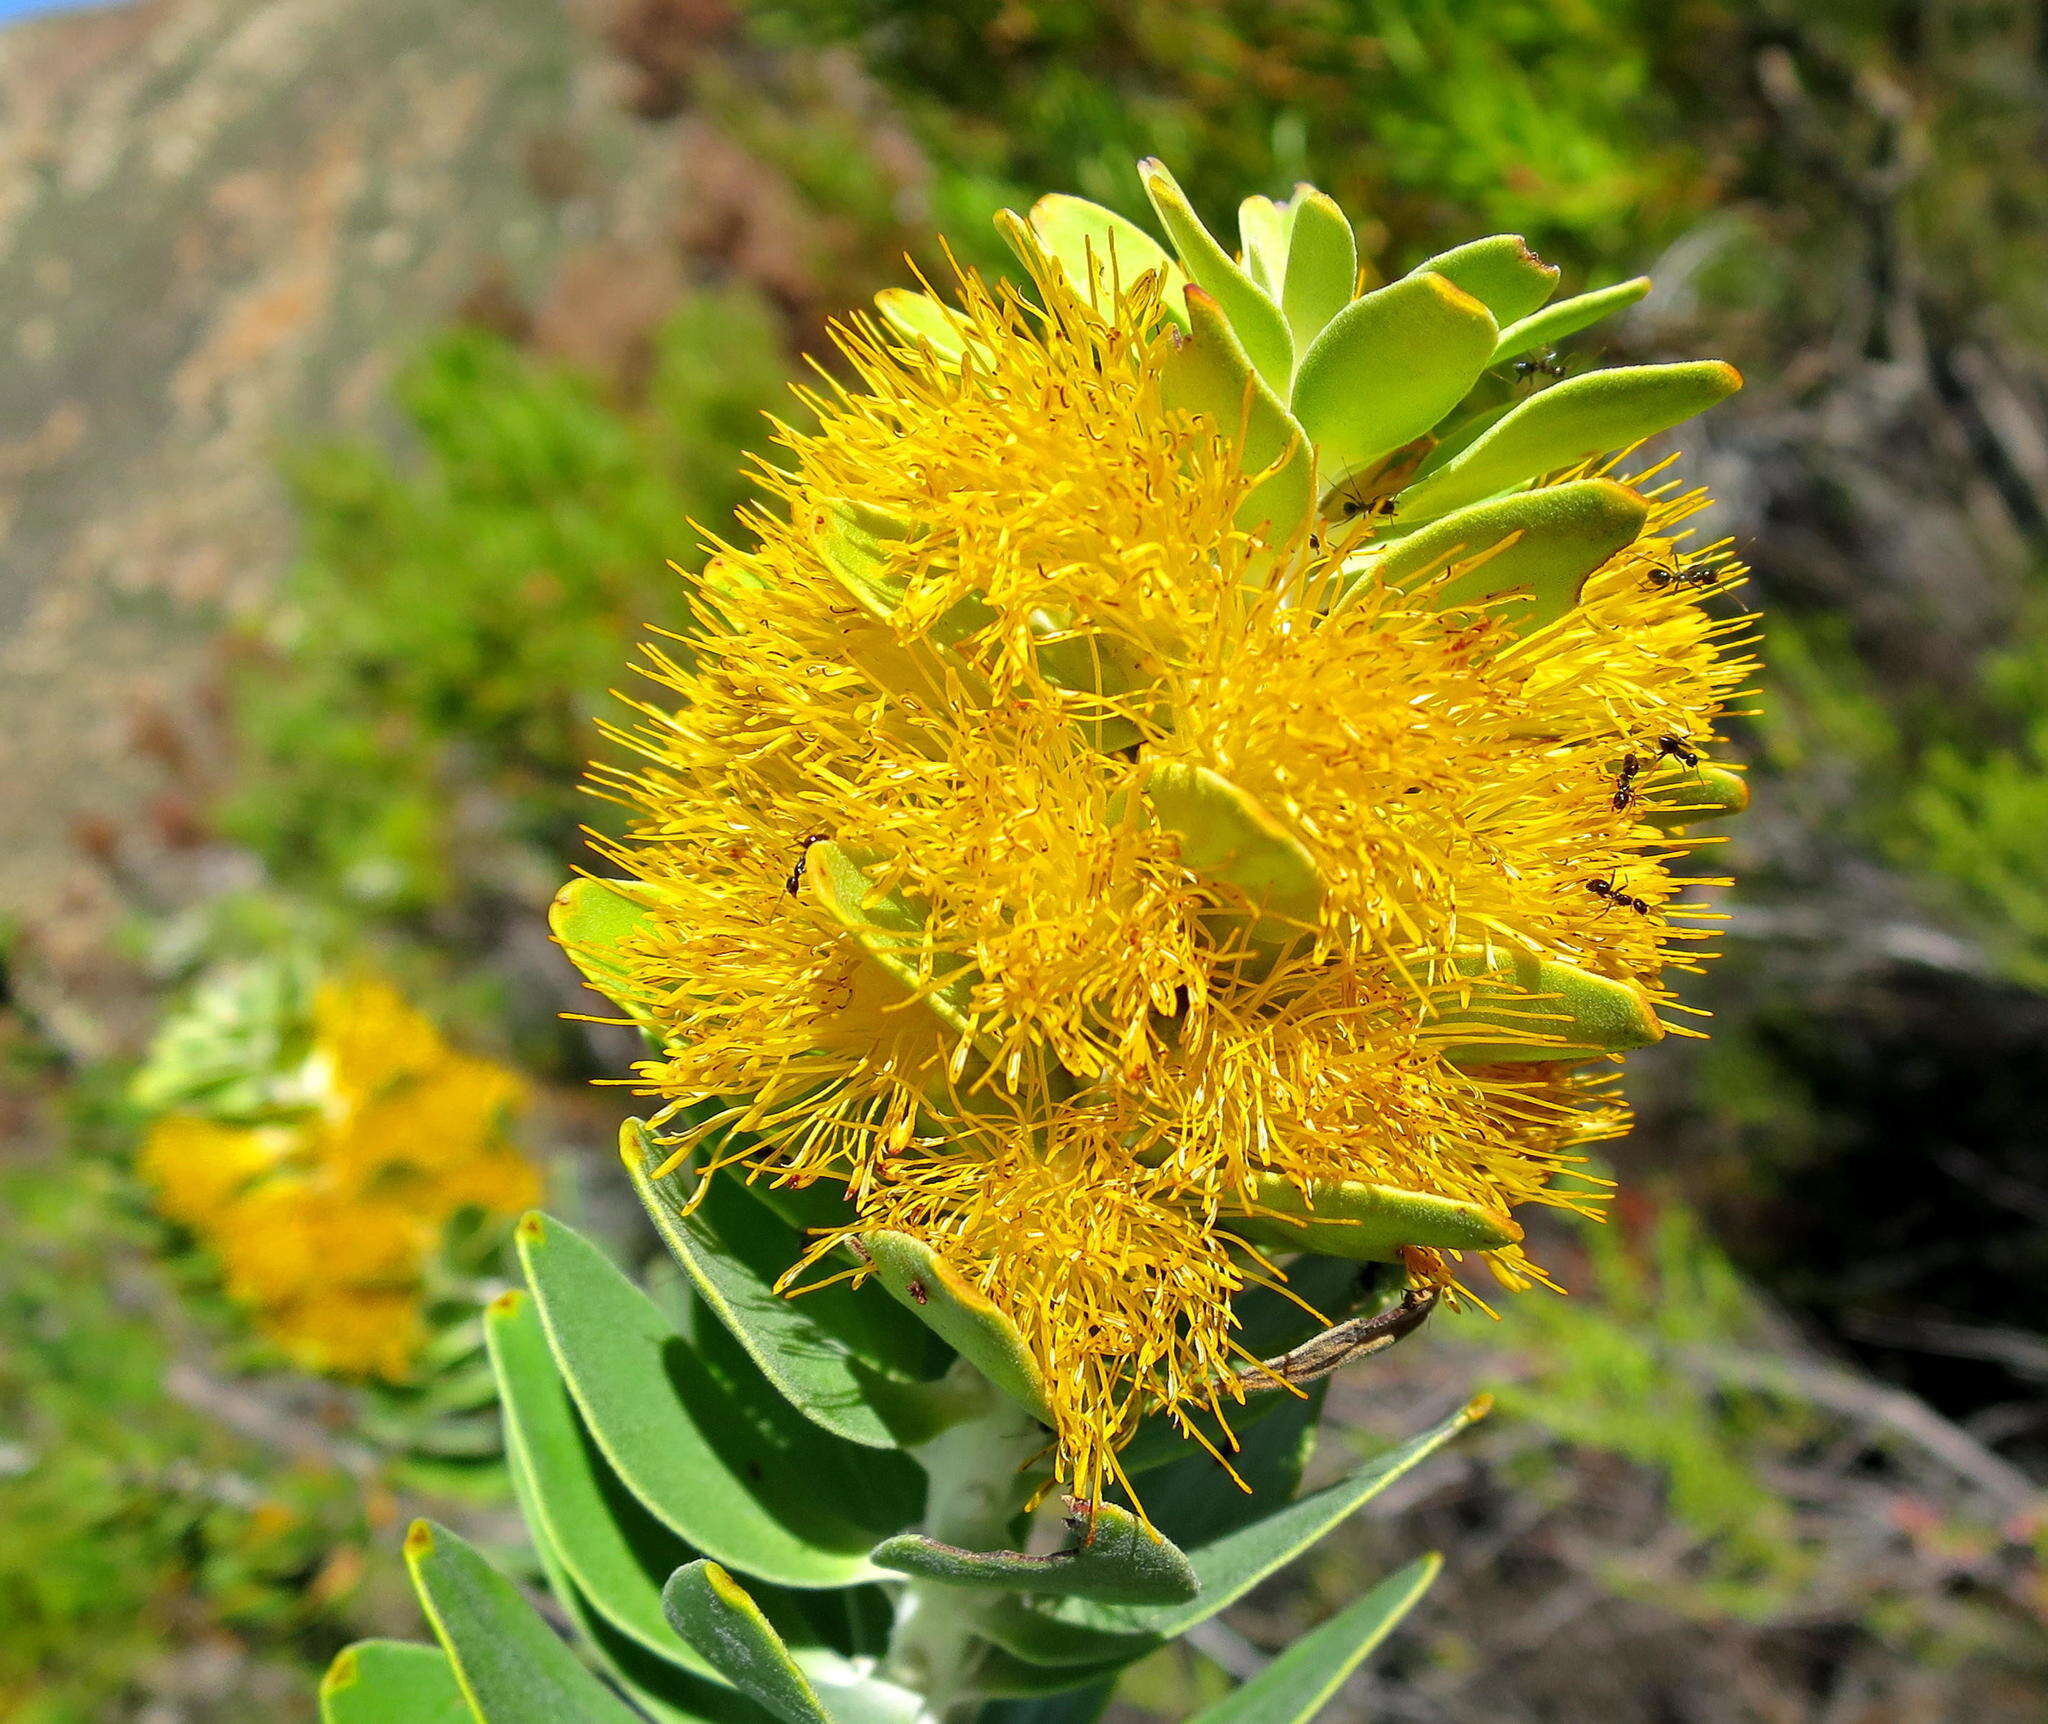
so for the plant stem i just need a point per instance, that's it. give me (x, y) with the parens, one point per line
(976, 1489)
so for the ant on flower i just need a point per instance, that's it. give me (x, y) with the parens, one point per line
(803, 859)
(1626, 795)
(1612, 895)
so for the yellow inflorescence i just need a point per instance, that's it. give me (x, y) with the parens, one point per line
(324, 1222)
(1078, 1054)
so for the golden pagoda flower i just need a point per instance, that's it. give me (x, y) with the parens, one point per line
(1185, 767)
(326, 1217)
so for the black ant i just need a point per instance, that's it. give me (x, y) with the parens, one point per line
(1545, 364)
(1379, 509)
(1613, 895)
(1626, 795)
(1664, 579)
(1678, 749)
(803, 859)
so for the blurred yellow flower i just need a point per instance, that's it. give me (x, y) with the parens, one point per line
(325, 1222)
(1081, 877)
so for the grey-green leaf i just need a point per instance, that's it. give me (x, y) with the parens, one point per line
(714, 1454)
(1567, 317)
(1502, 273)
(1322, 266)
(1300, 1682)
(1232, 1565)
(1259, 324)
(512, 1668)
(1037, 1638)
(714, 1613)
(845, 1358)
(1101, 253)
(1263, 229)
(615, 1552)
(666, 1685)
(1195, 1502)
(999, 1674)
(1119, 1559)
(1387, 368)
(1084, 1707)
(1209, 372)
(1538, 546)
(960, 1314)
(1585, 415)
(392, 1682)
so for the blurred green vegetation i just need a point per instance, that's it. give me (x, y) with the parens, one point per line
(137, 1524)
(414, 723)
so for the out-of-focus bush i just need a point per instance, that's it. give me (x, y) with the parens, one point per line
(1544, 119)
(141, 1530)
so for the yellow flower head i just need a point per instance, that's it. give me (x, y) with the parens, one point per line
(1092, 882)
(324, 1222)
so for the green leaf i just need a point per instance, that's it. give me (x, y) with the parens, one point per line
(960, 1314)
(1119, 1559)
(1551, 325)
(714, 1454)
(1079, 1708)
(1269, 1323)
(1092, 664)
(612, 1549)
(1227, 838)
(918, 317)
(1322, 266)
(1502, 273)
(1586, 415)
(1549, 1011)
(1257, 321)
(1232, 1565)
(392, 1682)
(1368, 1223)
(1673, 800)
(1099, 251)
(1539, 545)
(1208, 372)
(511, 1667)
(1296, 1686)
(847, 1360)
(891, 930)
(666, 1685)
(1263, 231)
(1195, 1502)
(591, 920)
(1001, 1676)
(1030, 1634)
(1386, 369)
(715, 1615)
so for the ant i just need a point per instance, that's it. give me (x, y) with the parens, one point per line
(1664, 579)
(1545, 365)
(803, 859)
(1678, 749)
(1626, 795)
(1379, 509)
(1612, 895)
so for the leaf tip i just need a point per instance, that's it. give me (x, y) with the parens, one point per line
(345, 1672)
(419, 1541)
